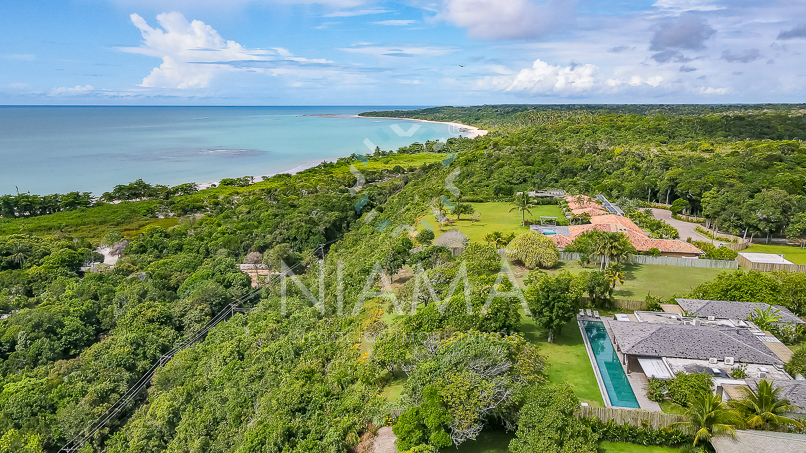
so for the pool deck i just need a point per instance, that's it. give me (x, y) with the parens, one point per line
(595, 366)
(638, 381)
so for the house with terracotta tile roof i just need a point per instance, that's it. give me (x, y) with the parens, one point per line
(618, 224)
(583, 204)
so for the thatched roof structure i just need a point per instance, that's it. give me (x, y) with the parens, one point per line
(452, 239)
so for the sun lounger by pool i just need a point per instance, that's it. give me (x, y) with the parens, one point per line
(595, 314)
(588, 311)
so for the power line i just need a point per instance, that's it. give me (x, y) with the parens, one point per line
(74, 444)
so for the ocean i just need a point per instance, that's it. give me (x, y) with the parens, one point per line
(47, 150)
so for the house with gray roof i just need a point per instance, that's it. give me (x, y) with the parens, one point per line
(639, 341)
(794, 391)
(723, 309)
(748, 441)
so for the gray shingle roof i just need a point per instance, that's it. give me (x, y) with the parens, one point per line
(760, 442)
(691, 342)
(732, 309)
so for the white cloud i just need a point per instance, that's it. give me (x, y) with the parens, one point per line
(21, 57)
(74, 91)
(396, 23)
(357, 12)
(399, 51)
(712, 90)
(687, 5)
(512, 19)
(635, 81)
(192, 52)
(545, 78)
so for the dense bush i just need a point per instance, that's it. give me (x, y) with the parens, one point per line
(713, 252)
(644, 435)
(534, 250)
(681, 389)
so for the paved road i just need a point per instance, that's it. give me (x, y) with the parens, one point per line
(686, 229)
(385, 441)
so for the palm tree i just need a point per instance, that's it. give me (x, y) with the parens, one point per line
(763, 408)
(708, 416)
(613, 246)
(19, 253)
(615, 274)
(522, 203)
(765, 318)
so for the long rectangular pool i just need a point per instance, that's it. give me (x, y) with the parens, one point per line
(618, 387)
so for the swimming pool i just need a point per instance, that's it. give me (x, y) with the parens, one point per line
(616, 384)
(549, 232)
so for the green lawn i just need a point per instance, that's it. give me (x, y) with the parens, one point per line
(568, 359)
(394, 388)
(493, 217)
(793, 253)
(663, 281)
(672, 408)
(623, 447)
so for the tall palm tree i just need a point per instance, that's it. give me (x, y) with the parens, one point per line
(19, 253)
(764, 409)
(615, 273)
(613, 246)
(708, 416)
(522, 203)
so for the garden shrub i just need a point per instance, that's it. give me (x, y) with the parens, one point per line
(643, 435)
(534, 250)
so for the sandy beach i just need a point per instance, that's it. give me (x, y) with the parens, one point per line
(460, 128)
(473, 131)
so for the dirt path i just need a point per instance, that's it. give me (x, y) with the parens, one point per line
(686, 229)
(385, 441)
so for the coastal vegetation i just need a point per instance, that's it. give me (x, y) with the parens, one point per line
(382, 333)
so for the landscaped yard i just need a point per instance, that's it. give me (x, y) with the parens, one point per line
(493, 217)
(672, 408)
(568, 359)
(793, 253)
(641, 279)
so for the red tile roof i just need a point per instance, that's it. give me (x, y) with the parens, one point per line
(614, 223)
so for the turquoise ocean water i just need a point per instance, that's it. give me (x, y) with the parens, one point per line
(61, 149)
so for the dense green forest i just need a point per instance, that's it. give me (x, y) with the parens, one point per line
(300, 375)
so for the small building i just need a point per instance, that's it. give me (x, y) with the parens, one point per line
(765, 258)
(455, 241)
(760, 442)
(725, 309)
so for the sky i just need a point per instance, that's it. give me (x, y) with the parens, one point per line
(416, 52)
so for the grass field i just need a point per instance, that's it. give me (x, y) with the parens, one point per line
(493, 217)
(568, 359)
(672, 408)
(795, 254)
(641, 279)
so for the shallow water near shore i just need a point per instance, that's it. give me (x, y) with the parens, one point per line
(61, 149)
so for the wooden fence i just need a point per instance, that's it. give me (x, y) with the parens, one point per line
(769, 267)
(656, 420)
(625, 304)
(666, 261)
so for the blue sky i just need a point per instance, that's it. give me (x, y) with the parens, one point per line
(417, 52)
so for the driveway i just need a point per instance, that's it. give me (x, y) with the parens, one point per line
(686, 229)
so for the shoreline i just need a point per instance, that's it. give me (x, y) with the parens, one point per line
(462, 128)
(292, 171)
